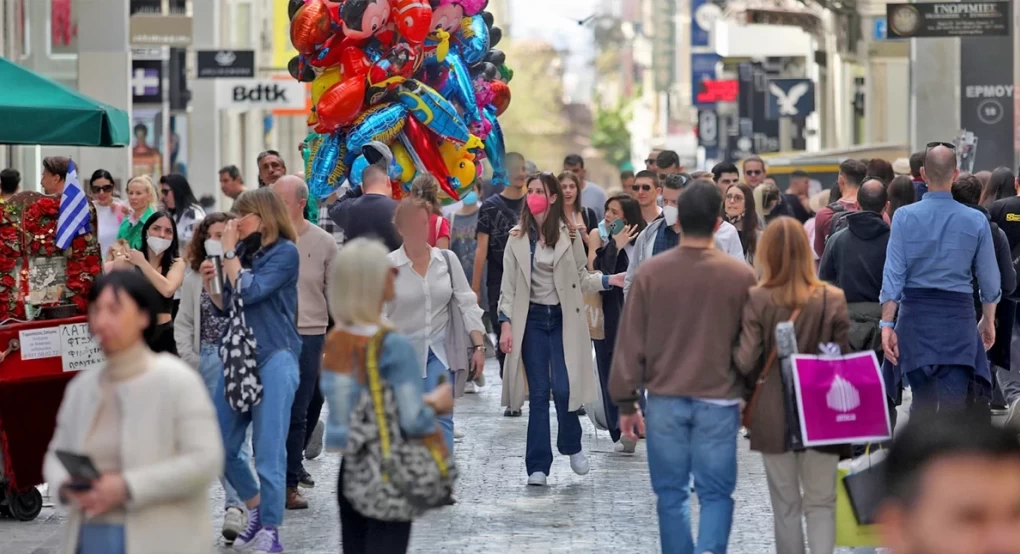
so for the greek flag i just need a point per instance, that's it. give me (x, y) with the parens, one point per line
(74, 209)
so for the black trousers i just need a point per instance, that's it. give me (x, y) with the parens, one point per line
(493, 292)
(364, 535)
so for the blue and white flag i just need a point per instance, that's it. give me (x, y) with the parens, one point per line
(74, 210)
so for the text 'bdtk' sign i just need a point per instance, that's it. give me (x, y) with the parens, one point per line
(948, 19)
(246, 94)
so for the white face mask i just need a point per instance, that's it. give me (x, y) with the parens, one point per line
(669, 214)
(158, 245)
(213, 247)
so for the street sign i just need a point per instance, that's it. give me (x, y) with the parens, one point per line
(246, 94)
(881, 29)
(708, 132)
(213, 64)
(702, 70)
(704, 14)
(146, 81)
(791, 98)
(948, 19)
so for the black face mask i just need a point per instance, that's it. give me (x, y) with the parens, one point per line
(252, 243)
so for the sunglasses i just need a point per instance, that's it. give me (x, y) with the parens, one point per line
(650, 161)
(754, 172)
(645, 188)
(948, 145)
(103, 188)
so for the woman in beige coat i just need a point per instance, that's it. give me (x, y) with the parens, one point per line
(148, 427)
(544, 330)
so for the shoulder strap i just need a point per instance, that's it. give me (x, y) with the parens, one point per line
(773, 355)
(375, 388)
(449, 269)
(439, 225)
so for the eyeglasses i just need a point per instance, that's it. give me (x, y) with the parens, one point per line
(103, 188)
(754, 172)
(650, 161)
(645, 188)
(734, 197)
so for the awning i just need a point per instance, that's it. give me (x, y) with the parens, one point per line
(37, 110)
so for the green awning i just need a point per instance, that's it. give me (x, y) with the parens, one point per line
(37, 110)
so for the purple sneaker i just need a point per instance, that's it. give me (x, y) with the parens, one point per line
(267, 541)
(247, 537)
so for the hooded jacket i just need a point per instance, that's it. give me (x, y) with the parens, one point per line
(1005, 312)
(854, 257)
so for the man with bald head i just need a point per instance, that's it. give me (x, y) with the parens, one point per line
(937, 248)
(318, 250)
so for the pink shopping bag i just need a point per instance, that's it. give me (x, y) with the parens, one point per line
(840, 399)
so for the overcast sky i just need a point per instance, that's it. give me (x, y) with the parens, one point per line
(555, 21)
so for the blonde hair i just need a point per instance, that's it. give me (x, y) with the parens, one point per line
(146, 181)
(266, 204)
(359, 282)
(426, 187)
(786, 263)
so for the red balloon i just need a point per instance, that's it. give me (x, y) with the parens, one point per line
(330, 53)
(425, 144)
(502, 99)
(310, 26)
(412, 18)
(340, 104)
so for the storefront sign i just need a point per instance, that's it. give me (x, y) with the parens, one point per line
(708, 133)
(711, 91)
(161, 30)
(146, 81)
(79, 349)
(986, 99)
(246, 94)
(236, 64)
(702, 71)
(948, 19)
(39, 343)
(704, 14)
(791, 98)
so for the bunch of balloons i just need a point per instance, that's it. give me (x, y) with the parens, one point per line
(419, 75)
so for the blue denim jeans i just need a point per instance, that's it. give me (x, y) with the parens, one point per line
(546, 369)
(939, 388)
(434, 368)
(211, 369)
(271, 421)
(689, 437)
(100, 538)
(309, 364)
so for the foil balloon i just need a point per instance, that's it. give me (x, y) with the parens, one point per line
(328, 161)
(292, 8)
(403, 162)
(381, 123)
(495, 151)
(339, 105)
(461, 164)
(323, 82)
(357, 169)
(300, 70)
(364, 18)
(447, 15)
(412, 18)
(311, 147)
(473, 39)
(472, 7)
(463, 89)
(495, 35)
(501, 96)
(431, 109)
(329, 54)
(310, 26)
(421, 143)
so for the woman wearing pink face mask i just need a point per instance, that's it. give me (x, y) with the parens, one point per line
(544, 328)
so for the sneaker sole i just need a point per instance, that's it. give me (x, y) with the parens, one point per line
(305, 486)
(305, 507)
(314, 448)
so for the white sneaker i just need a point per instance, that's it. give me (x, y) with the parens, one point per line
(625, 446)
(457, 433)
(536, 479)
(579, 463)
(234, 521)
(480, 379)
(469, 388)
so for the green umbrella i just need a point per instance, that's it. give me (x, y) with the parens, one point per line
(37, 110)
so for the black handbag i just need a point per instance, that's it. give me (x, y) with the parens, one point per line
(865, 490)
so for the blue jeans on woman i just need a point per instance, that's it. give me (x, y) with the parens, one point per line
(211, 370)
(546, 369)
(434, 369)
(101, 538)
(271, 421)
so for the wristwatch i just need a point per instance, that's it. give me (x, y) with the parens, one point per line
(229, 255)
(884, 324)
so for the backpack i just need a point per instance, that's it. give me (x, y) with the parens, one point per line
(838, 221)
(389, 476)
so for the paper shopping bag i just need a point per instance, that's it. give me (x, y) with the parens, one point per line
(596, 319)
(848, 531)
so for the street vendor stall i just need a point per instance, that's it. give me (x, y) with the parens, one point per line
(44, 336)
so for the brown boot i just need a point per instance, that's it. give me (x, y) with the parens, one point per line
(295, 501)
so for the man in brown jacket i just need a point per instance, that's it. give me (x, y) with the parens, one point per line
(675, 339)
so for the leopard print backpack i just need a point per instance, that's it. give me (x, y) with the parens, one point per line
(388, 476)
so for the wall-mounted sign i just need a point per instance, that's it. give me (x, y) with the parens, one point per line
(246, 94)
(160, 30)
(237, 64)
(663, 44)
(948, 19)
(147, 81)
(79, 349)
(711, 91)
(791, 98)
(708, 133)
(704, 14)
(702, 70)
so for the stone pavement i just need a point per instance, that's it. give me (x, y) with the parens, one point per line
(612, 509)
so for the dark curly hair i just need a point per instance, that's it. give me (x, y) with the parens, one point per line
(196, 248)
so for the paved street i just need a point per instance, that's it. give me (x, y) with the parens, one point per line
(611, 509)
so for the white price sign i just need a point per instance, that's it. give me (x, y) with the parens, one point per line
(78, 348)
(40, 343)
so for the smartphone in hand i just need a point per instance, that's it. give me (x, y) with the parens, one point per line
(81, 469)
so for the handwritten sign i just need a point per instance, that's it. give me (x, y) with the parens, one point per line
(78, 349)
(40, 343)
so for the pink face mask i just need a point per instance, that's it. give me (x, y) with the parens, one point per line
(537, 203)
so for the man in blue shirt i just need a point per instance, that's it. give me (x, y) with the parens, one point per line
(936, 248)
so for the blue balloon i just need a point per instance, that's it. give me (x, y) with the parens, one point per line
(382, 124)
(461, 87)
(357, 168)
(474, 40)
(495, 150)
(323, 178)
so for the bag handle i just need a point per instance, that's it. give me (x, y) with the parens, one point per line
(769, 362)
(439, 226)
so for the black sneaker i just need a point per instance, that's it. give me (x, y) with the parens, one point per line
(306, 481)
(511, 413)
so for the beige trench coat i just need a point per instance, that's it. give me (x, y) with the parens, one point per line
(572, 279)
